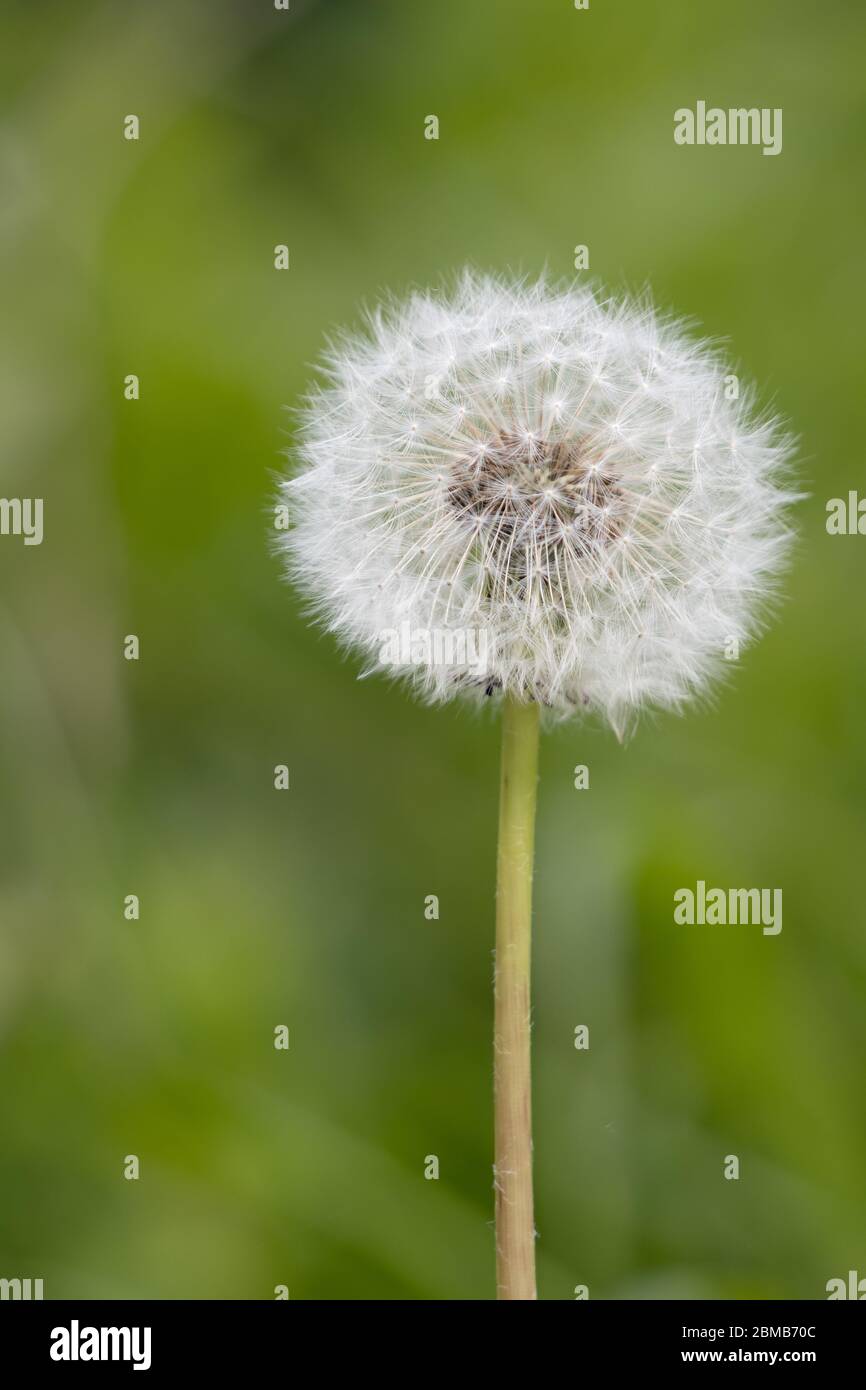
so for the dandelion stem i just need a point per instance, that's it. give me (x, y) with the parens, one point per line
(515, 1227)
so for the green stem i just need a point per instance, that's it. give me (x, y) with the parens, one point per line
(515, 1226)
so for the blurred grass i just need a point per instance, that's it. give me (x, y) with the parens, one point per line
(155, 1038)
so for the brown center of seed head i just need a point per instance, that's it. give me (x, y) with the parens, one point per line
(524, 494)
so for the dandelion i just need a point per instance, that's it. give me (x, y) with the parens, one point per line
(576, 482)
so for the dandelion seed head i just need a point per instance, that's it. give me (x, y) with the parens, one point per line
(578, 487)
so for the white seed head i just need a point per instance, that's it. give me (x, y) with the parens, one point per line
(564, 478)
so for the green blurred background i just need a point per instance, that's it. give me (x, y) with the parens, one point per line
(306, 907)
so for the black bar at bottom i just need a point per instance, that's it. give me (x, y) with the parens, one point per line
(218, 1339)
